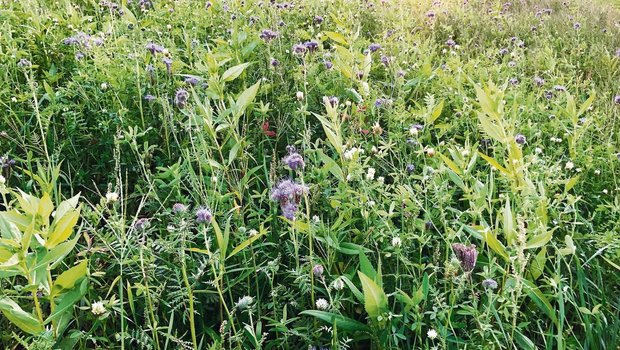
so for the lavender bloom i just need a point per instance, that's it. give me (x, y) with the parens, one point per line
(617, 99)
(193, 81)
(329, 65)
(274, 62)
(317, 270)
(268, 35)
(293, 160)
(401, 73)
(385, 60)
(559, 88)
(503, 51)
(539, 81)
(154, 48)
(381, 102)
(79, 55)
(24, 63)
(549, 95)
(149, 98)
(374, 47)
(288, 193)
(203, 214)
(520, 139)
(299, 49)
(410, 168)
(311, 45)
(318, 19)
(450, 43)
(577, 25)
(179, 208)
(514, 81)
(141, 224)
(467, 256)
(333, 100)
(168, 62)
(180, 98)
(489, 283)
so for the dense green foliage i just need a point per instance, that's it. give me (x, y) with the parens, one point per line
(315, 174)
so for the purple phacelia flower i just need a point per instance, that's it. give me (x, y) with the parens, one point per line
(203, 214)
(559, 88)
(617, 99)
(539, 81)
(24, 63)
(154, 48)
(318, 270)
(520, 139)
(385, 60)
(193, 81)
(513, 81)
(141, 224)
(168, 62)
(180, 98)
(293, 159)
(382, 102)
(178, 208)
(467, 256)
(450, 43)
(288, 193)
(318, 19)
(333, 101)
(374, 47)
(268, 35)
(410, 168)
(503, 51)
(311, 45)
(299, 49)
(329, 64)
(489, 284)
(577, 25)
(149, 98)
(274, 62)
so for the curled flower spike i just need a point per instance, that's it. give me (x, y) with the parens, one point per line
(203, 215)
(288, 193)
(293, 160)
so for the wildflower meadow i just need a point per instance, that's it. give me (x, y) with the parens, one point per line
(310, 174)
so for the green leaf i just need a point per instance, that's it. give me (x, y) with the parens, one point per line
(495, 244)
(375, 300)
(570, 246)
(494, 163)
(541, 300)
(69, 278)
(571, 183)
(233, 72)
(25, 321)
(584, 107)
(246, 98)
(524, 342)
(366, 267)
(337, 37)
(436, 113)
(341, 322)
(67, 301)
(508, 223)
(451, 164)
(540, 240)
(55, 255)
(63, 228)
(245, 243)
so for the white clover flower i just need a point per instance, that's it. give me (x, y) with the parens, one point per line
(322, 304)
(569, 165)
(413, 131)
(396, 242)
(381, 179)
(299, 95)
(252, 233)
(605, 191)
(371, 203)
(349, 177)
(97, 308)
(431, 334)
(374, 149)
(597, 172)
(465, 153)
(245, 302)
(538, 150)
(2, 180)
(371, 174)
(338, 284)
(316, 219)
(111, 197)
(214, 179)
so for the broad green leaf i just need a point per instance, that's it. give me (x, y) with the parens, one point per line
(537, 266)
(8, 229)
(25, 321)
(246, 98)
(375, 300)
(541, 300)
(69, 278)
(571, 183)
(524, 342)
(233, 72)
(540, 240)
(584, 107)
(66, 205)
(495, 244)
(45, 207)
(366, 267)
(67, 301)
(338, 321)
(451, 164)
(570, 246)
(436, 112)
(63, 227)
(509, 226)
(494, 163)
(54, 256)
(337, 37)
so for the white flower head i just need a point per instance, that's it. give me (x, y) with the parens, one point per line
(338, 284)
(431, 334)
(2, 180)
(569, 165)
(371, 174)
(245, 302)
(299, 95)
(381, 179)
(97, 308)
(396, 242)
(322, 304)
(111, 197)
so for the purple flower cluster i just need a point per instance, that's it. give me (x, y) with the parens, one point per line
(268, 34)
(467, 255)
(374, 47)
(154, 48)
(539, 81)
(178, 208)
(299, 49)
(203, 214)
(83, 40)
(180, 98)
(293, 160)
(311, 45)
(288, 193)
